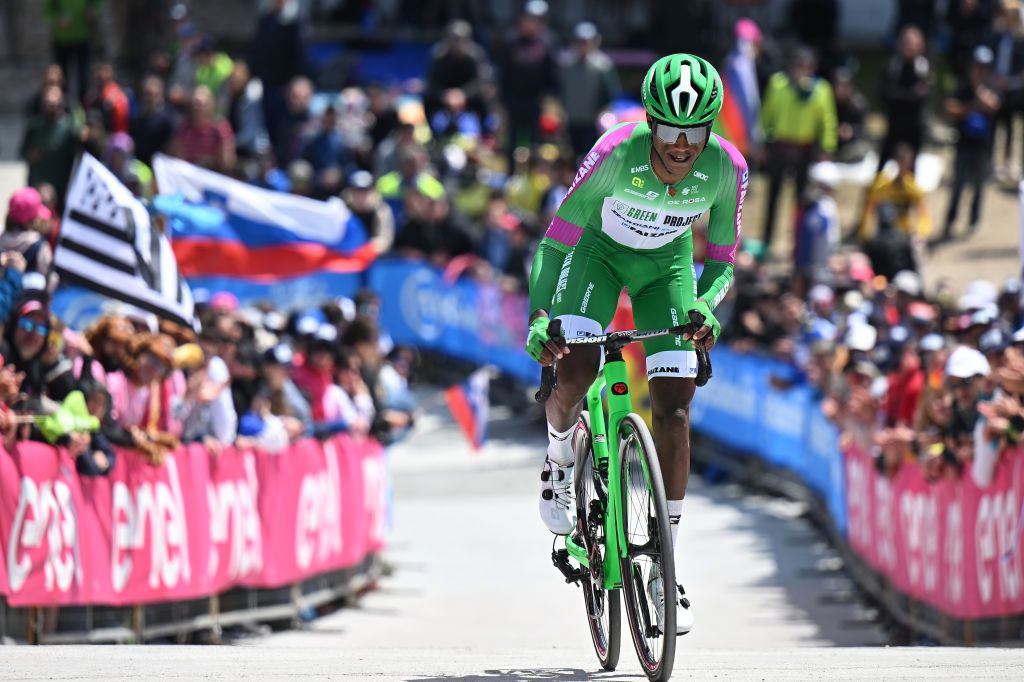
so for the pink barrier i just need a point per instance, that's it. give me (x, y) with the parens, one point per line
(949, 544)
(193, 527)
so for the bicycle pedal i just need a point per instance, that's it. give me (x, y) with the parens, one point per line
(560, 559)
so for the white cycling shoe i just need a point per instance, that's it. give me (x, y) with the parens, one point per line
(557, 506)
(656, 593)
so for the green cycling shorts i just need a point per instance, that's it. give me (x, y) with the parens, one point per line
(661, 283)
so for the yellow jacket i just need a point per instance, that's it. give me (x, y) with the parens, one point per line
(908, 199)
(789, 116)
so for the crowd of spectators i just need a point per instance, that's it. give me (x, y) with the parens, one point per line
(252, 377)
(917, 377)
(467, 165)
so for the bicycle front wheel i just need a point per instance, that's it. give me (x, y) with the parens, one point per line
(648, 550)
(603, 614)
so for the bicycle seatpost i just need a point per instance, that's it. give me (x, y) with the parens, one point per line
(548, 380)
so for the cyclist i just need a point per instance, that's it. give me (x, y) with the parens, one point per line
(626, 222)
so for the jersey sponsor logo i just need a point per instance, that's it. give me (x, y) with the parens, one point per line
(702, 176)
(662, 370)
(586, 297)
(637, 182)
(588, 165)
(650, 194)
(640, 169)
(642, 215)
(675, 323)
(563, 277)
(680, 220)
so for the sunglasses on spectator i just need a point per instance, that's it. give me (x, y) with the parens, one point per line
(960, 383)
(670, 134)
(30, 327)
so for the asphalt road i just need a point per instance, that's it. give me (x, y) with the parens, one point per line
(474, 597)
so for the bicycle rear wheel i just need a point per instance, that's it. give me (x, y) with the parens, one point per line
(648, 548)
(603, 611)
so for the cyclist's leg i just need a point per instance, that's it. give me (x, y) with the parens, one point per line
(662, 291)
(585, 301)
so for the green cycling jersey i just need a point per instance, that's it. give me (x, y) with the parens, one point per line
(625, 228)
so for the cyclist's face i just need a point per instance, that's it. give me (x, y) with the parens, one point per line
(675, 158)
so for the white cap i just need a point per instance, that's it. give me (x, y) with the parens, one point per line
(307, 325)
(987, 314)
(931, 343)
(825, 173)
(978, 294)
(861, 337)
(33, 280)
(327, 332)
(821, 293)
(965, 362)
(908, 282)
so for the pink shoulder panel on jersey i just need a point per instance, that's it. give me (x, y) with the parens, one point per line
(562, 230)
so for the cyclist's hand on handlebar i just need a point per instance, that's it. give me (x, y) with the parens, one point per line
(707, 332)
(541, 346)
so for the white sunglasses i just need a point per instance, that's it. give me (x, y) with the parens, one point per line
(670, 134)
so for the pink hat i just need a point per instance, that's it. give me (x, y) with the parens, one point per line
(224, 300)
(26, 205)
(747, 29)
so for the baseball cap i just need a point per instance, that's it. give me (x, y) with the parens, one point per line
(825, 173)
(921, 312)
(861, 337)
(537, 8)
(225, 300)
(993, 341)
(984, 316)
(821, 293)
(33, 280)
(907, 282)
(361, 179)
(747, 29)
(585, 30)
(931, 343)
(978, 294)
(26, 205)
(965, 363)
(281, 354)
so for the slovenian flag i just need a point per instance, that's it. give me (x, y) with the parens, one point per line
(470, 405)
(258, 243)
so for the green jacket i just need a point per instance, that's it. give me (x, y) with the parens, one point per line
(71, 20)
(787, 115)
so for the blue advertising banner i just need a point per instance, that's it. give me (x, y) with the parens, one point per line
(475, 322)
(728, 409)
(742, 408)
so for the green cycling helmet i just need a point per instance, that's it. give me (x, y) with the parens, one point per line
(682, 90)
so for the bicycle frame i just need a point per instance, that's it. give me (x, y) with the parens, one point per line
(605, 443)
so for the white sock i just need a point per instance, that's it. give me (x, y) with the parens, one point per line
(560, 445)
(675, 510)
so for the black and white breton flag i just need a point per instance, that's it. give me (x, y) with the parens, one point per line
(109, 245)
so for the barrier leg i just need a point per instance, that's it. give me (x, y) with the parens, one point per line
(138, 623)
(32, 625)
(215, 629)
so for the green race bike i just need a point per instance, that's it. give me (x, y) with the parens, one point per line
(622, 525)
